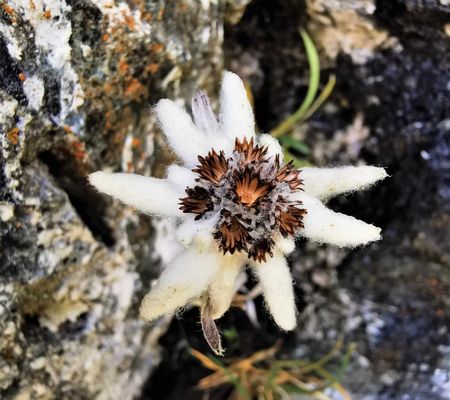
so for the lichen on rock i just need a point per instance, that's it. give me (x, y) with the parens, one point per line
(77, 80)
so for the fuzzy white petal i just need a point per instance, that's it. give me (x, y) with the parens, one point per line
(326, 226)
(147, 194)
(276, 281)
(273, 146)
(204, 118)
(328, 182)
(184, 138)
(181, 176)
(197, 233)
(285, 245)
(236, 114)
(223, 287)
(185, 279)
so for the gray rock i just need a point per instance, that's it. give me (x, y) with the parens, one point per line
(78, 79)
(390, 108)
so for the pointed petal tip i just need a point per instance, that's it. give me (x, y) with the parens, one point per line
(98, 180)
(287, 325)
(236, 114)
(325, 183)
(276, 281)
(366, 235)
(231, 76)
(152, 308)
(162, 103)
(375, 174)
(165, 109)
(326, 226)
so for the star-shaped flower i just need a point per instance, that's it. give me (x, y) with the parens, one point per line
(237, 204)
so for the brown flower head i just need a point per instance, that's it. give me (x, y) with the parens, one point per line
(249, 192)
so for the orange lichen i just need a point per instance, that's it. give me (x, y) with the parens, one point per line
(153, 68)
(123, 67)
(157, 48)
(105, 37)
(129, 19)
(22, 77)
(136, 143)
(7, 9)
(134, 88)
(67, 129)
(79, 150)
(47, 14)
(13, 135)
(147, 17)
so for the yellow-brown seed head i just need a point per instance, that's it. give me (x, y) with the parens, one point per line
(249, 193)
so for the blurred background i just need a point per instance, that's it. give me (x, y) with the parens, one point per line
(78, 79)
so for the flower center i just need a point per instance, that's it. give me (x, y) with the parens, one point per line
(250, 194)
(249, 189)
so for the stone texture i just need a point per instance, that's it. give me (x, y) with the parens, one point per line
(78, 79)
(390, 108)
(77, 82)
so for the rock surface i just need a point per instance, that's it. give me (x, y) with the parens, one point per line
(77, 80)
(390, 108)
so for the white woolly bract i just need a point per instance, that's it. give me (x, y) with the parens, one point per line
(223, 286)
(236, 114)
(184, 138)
(273, 146)
(285, 244)
(197, 233)
(328, 182)
(276, 282)
(181, 176)
(326, 226)
(202, 270)
(186, 278)
(141, 192)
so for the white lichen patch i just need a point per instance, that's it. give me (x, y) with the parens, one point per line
(34, 89)
(12, 151)
(6, 211)
(12, 43)
(120, 14)
(52, 32)
(8, 106)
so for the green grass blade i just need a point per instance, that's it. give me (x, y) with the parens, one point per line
(314, 78)
(291, 143)
(327, 90)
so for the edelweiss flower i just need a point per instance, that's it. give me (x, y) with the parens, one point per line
(238, 205)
